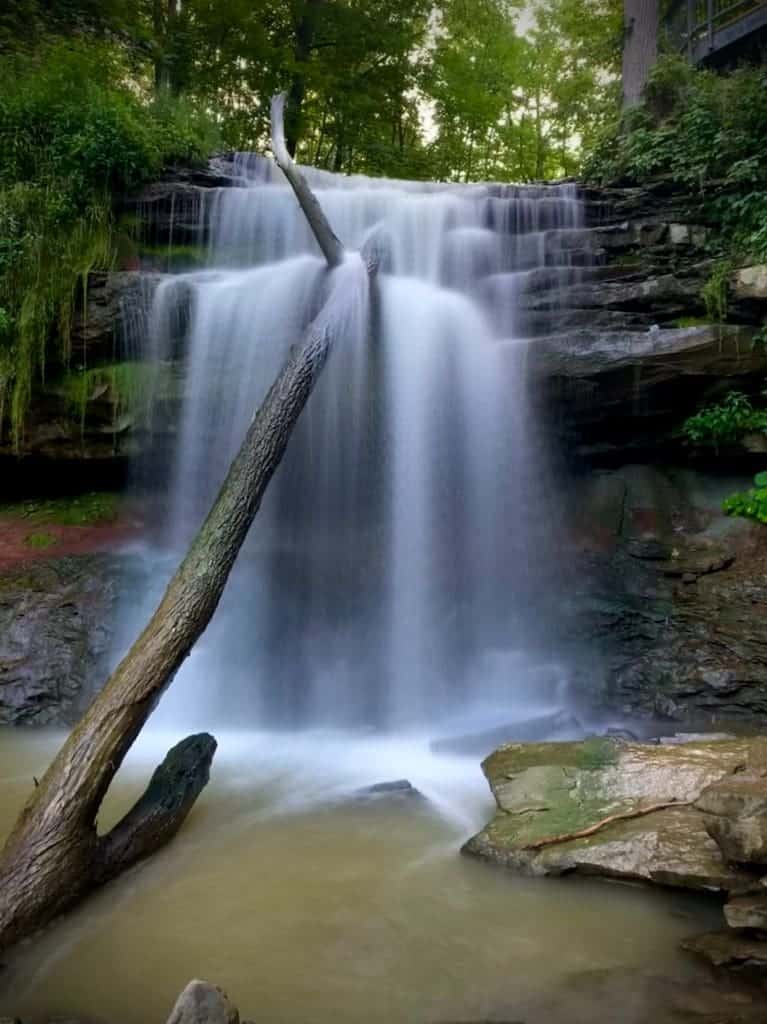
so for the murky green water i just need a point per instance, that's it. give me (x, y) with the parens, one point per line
(311, 906)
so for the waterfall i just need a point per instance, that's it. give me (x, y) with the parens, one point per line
(400, 571)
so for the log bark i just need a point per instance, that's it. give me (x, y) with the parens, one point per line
(54, 854)
(332, 249)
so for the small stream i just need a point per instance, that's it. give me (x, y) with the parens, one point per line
(309, 903)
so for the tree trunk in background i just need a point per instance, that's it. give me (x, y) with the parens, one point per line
(305, 27)
(640, 46)
(54, 855)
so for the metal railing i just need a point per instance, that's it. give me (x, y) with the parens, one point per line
(701, 27)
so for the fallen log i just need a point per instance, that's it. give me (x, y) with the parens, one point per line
(54, 856)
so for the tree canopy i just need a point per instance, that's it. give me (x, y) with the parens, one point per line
(457, 89)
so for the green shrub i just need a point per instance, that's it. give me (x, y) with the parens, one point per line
(715, 292)
(726, 421)
(751, 504)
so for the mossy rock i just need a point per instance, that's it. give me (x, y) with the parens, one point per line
(545, 792)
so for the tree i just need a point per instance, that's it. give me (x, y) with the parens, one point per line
(54, 855)
(640, 47)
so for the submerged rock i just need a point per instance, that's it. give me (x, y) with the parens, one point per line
(202, 1003)
(747, 912)
(396, 788)
(730, 949)
(528, 730)
(605, 807)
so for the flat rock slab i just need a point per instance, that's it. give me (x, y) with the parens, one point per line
(747, 912)
(547, 791)
(730, 949)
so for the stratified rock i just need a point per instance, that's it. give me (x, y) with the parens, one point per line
(735, 810)
(546, 792)
(202, 1003)
(715, 350)
(116, 303)
(56, 628)
(730, 949)
(681, 633)
(747, 912)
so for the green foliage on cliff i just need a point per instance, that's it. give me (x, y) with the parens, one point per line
(726, 421)
(74, 133)
(750, 504)
(704, 132)
(129, 388)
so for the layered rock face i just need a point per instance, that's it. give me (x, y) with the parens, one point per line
(671, 592)
(56, 632)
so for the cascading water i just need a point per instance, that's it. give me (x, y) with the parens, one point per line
(398, 572)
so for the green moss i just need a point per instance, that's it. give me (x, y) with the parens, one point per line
(83, 510)
(176, 257)
(130, 388)
(517, 757)
(41, 540)
(692, 321)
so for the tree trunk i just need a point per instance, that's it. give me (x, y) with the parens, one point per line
(54, 855)
(640, 47)
(305, 29)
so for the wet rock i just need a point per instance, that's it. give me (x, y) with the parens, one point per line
(730, 949)
(202, 1003)
(715, 350)
(694, 737)
(117, 303)
(735, 810)
(682, 636)
(55, 635)
(632, 805)
(396, 788)
(478, 744)
(747, 912)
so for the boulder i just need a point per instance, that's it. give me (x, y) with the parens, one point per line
(398, 788)
(202, 1003)
(622, 810)
(735, 810)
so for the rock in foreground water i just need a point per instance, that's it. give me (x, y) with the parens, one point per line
(606, 807)
(202, 1003)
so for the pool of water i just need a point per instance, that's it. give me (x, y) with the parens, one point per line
(311, 904)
